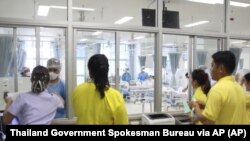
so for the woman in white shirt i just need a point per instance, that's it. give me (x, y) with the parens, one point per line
(37, 106)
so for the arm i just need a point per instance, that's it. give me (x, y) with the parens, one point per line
(60, 100)
(121, 116)
(7, 116)
(200, 117)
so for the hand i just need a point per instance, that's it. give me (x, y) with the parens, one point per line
(194, 104)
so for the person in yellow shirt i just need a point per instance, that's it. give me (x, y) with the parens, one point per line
(226, 103)
(201, 84)
(95, 102)
(247, 86)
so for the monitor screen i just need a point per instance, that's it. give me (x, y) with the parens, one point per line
(170, 19)
(148, 17)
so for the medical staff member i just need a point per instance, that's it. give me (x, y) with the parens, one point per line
(56, 85)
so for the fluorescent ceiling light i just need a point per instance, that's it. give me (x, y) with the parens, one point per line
(97, 33)
(208, 1)
(43, 10)
(83, 9)
(233, 3)
(83, 40)
(238, 42)
(58, 7)
(139, 37)
(123, 20)
(239, 4)
(74, 8)
(196, 23)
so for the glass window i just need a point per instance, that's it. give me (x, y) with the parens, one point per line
(109, 12)
(239, 17)
(26, 57)
(241, 49)
(205, 48)
(137, 71)
(52, 45)
(194, 15)
(174, 68)
(6, 63)
(34, 9)
(89, 43)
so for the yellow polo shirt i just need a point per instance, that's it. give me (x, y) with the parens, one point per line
(248, 106)
(89, 108)
(199, 95)
(226, 103)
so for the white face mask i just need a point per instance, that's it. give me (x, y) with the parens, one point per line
(52, 75)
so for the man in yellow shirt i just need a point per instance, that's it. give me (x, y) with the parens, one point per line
(247, 86)
(226, 103)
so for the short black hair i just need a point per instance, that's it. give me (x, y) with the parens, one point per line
(225, 58)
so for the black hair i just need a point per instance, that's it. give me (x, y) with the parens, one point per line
(225, 58)
(202, 79)
(186, 74)
(98, 68)
(247, 77)
(39, 79)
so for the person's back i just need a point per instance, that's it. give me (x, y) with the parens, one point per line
(246, 83)
(232, 97)
(33, 108)
(91, 109)
(248, 106)
(37, 106)
(95, 102)
(226, 103)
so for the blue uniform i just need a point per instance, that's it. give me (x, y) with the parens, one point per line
(58, 88)
(126, 77)
(142, 76)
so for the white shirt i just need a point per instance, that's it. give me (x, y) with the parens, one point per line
(31, 108)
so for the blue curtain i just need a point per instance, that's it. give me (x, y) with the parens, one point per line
(6, 56)
(174, 62)
(142, 60)
(201, 57)
(21, 55)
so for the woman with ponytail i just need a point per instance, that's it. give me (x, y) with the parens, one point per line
(37, 106)
(201, 84)
(95, 102)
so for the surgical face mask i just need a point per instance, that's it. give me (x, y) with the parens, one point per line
(52, 75)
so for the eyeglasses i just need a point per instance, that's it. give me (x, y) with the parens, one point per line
(52, 69)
